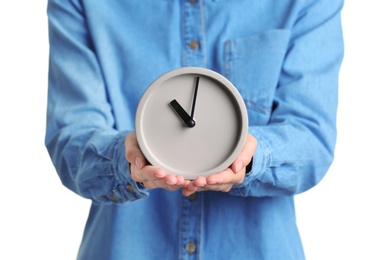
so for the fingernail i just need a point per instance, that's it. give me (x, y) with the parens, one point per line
(138, 162)
(160, 174)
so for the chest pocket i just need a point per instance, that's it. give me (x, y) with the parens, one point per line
(253, 64)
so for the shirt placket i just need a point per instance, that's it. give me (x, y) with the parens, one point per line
(193, 33)
(191, 226)
(193, 39)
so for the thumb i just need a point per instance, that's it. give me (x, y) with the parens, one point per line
(246, 155)
(133, 153)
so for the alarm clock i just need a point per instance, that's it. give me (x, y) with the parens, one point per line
(191, 121)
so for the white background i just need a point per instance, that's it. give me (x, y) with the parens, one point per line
(40, 219)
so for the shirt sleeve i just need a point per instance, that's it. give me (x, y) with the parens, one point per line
(296, 148)
(84, 145)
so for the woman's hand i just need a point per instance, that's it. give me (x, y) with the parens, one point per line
(154, 177)
(151, 177)
(224, 181)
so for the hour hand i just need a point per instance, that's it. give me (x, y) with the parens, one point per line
(187, 119)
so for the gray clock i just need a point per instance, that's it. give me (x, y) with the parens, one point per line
(191, 121)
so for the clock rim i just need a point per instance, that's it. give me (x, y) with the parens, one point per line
(144, 147)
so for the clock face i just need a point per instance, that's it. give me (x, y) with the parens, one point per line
(192, 122)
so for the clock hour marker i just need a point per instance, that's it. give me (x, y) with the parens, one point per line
(187, 119)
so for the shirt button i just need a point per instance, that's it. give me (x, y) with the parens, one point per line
(114, 198)
(194, 45)
(190, 248)
(193, 196)
(129, 188)
(192, 1)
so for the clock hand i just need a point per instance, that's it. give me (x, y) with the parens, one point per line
(188, 121)
(195, 96)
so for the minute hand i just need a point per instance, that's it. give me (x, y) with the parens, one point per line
(195, 96)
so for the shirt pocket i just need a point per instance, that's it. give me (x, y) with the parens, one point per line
(253, 64)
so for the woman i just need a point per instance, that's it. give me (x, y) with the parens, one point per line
(283, 57)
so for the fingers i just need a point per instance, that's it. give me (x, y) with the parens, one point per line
(154, 177)
(225, 180)
(151, 177)
(227, 176)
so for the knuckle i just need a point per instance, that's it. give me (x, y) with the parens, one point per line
(227, 189)
(149, 185)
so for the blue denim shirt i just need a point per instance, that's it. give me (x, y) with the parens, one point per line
(283, 57)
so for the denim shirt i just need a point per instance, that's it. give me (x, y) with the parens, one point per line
(284, 58)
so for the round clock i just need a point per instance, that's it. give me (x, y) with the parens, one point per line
(191, 121)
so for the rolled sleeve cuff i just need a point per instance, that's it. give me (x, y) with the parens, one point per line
(125, 188)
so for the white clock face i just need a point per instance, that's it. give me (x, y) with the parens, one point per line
(191, 122)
